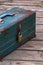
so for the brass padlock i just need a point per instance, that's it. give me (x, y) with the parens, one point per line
(19, 34)
(19, 37)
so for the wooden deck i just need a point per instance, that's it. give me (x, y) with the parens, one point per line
(30, 53)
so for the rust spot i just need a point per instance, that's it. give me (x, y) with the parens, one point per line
(5, 32)
(1, 57)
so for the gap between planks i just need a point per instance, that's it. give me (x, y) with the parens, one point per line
(20, 63)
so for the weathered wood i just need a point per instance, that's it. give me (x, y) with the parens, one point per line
(32, 45)
(39, 28)
(20, 63)
(39, 20)
(39, 14)
(25, 55)
(39, 36)
(37, 3)
(23, 2)
(26, 63)
(5, 63)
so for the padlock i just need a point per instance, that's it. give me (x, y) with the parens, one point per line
(19, 34)
(19, 37)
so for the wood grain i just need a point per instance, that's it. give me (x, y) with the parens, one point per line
(39, 14)
(39, 28)
(26, 3)
(26, 63)
(5, 63)
(39, 20)
(32, 45)
(20, 63)
(25, 55)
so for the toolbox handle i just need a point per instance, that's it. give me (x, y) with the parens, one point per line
(8, 14)
(4, 15)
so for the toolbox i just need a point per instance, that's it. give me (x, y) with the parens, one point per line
(17, 26)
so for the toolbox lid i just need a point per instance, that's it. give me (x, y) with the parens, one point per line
(12, 16)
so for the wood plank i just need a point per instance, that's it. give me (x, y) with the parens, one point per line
(22, 4)
(26, 63)
(39, 28)
(33, 46)
(5, 63)
(37, 3)
(16, 63)
(25, 55)
(39, 14)
(39, 20)
(39, 36)
(20, 63)
(26, 3)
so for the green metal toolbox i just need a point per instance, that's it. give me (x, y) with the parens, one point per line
(16, 27)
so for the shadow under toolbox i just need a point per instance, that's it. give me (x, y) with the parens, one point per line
(16, 27)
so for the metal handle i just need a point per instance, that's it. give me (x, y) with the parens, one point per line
(8, 14)
(3, 16)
